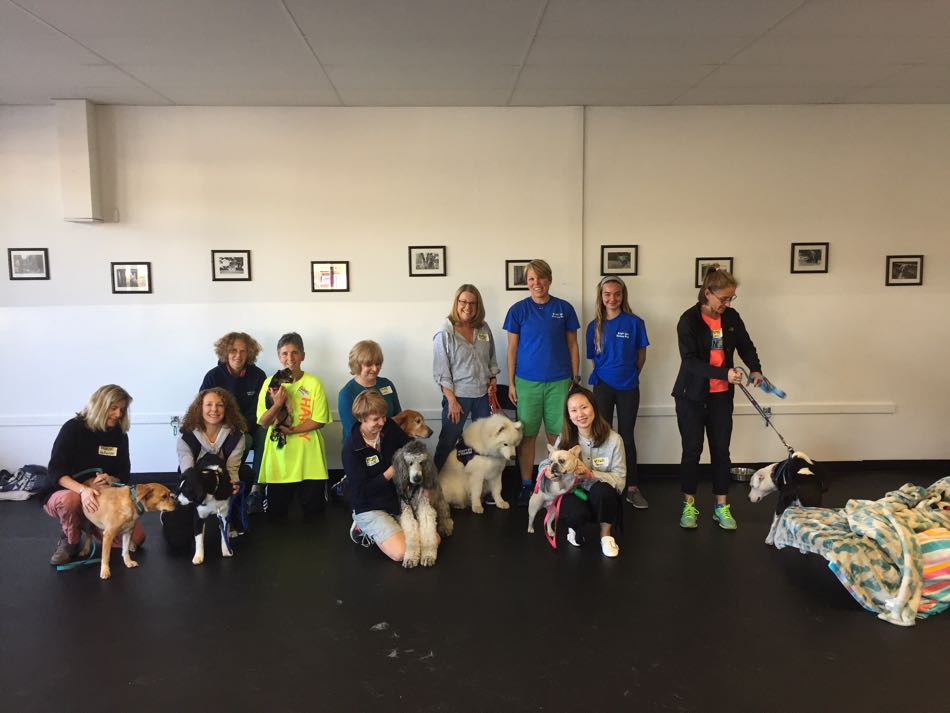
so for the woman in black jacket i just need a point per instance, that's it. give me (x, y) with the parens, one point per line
(709, 333)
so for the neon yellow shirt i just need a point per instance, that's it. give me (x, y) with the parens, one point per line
(304, 455)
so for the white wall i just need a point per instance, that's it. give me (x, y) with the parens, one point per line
(295, 185)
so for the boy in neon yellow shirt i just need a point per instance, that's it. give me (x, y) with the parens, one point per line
(300, 467)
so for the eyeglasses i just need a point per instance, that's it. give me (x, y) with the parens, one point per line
(467, 304)
(725, 300)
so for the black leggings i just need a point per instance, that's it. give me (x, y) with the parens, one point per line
(714, 417)
(603, 505)
(312, 495)
(628, 404)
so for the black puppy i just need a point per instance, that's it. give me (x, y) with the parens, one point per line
(284, 376)
(207, 487)
(798, 480)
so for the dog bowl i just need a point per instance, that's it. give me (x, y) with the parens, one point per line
(742, 475)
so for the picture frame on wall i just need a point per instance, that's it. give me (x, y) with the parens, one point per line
(230, 265)
(131, 277)
(330, 276)
(809, 257)
(516, 277)
(704, 263)
(427, 261)
(618, 259)
(28, 263)
(904, 270)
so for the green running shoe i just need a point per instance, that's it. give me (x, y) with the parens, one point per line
(723, 515)
(688, 516)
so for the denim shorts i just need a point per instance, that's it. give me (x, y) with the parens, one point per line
(378, 524)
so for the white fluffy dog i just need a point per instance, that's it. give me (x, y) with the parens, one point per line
(474, 467)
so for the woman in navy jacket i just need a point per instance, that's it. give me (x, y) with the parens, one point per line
(367, 460)
(709, 334)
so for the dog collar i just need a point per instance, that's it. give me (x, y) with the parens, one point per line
(139, 507)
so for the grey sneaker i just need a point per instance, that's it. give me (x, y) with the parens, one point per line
(14, 486)
(64, 552)
(635, 498)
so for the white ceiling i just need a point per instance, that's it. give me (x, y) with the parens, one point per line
(475, 52)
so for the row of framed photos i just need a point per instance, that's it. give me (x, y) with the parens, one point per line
(430, 261)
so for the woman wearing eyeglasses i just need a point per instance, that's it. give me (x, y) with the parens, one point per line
(464, 366)
(709, 334)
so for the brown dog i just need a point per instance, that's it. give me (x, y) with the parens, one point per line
(119, 508)
(412, 423)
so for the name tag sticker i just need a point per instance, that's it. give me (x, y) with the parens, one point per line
(482, 337)
(372, 460)
(600, 462)
(108, 451)
(386, 390)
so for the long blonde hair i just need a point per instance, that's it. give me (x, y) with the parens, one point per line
(96, 411)
(600, 312)
(479, 319)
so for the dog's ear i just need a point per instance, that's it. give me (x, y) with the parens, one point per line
(518, 425)
(149, 494)
(576, 451)
(430, 476)
(194, 489)
(550, 448)
(400, 419)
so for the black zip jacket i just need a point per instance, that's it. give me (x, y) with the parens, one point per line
(695, 340)
(366, 487)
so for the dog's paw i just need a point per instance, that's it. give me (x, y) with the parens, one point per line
(131, 564)
(427, 560)
(197, 559)
(477, 508)
(446, 528)
(105, 574)
(410, 562)
(531, 529)
(501, 504)
(227, 553)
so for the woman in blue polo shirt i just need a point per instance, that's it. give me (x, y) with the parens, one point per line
(543, 362)
(617, 345)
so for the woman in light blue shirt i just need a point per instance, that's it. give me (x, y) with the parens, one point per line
(464, 366)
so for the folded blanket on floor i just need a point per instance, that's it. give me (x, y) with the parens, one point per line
(878, 550)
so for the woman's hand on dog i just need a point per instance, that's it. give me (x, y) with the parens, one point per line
(279, 395)
(89, 499)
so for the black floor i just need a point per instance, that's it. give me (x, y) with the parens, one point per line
(301, 619)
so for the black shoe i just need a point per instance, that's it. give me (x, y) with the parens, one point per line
(524, 496)
(254, 502)
(64, 552)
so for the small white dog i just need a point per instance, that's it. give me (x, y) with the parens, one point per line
(474, 467)
(564, 467)
(798, 480)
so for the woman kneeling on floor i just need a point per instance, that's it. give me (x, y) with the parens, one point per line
(367, 459)
(604, 478)
(92, 448)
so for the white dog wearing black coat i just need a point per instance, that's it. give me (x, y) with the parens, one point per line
(474, 467)
(207, 487)
(564, 466)
(425, 514)
(798, 481)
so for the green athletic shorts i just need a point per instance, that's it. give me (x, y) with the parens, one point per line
(541, 399)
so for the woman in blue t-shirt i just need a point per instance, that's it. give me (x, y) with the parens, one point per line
(617, 345)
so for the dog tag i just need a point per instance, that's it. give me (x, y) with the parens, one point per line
(108, 451)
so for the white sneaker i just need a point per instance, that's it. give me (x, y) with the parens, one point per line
(608, 546)
(572, 537)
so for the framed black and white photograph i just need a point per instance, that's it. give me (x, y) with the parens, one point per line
(704, 263)
(516, 277)
(618, 259)
(809, 257)
(134, 277)
(28, 263)
(904, 270)
(426, 261)
(230, 265)
(330, 276)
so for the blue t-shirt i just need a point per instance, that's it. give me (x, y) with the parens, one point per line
(542, 338)
(352, 389)
(616, 365)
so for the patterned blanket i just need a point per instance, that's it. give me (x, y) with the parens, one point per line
(892, 554)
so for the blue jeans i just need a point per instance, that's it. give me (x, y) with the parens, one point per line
(476, 406)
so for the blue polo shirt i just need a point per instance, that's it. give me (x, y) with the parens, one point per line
(542, 338)
(616, 365)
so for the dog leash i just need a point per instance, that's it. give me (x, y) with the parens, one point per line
(768, 387)
(91, 559)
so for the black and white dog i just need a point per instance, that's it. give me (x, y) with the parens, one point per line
(207, 487)
(283, 376)
(798, 481)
